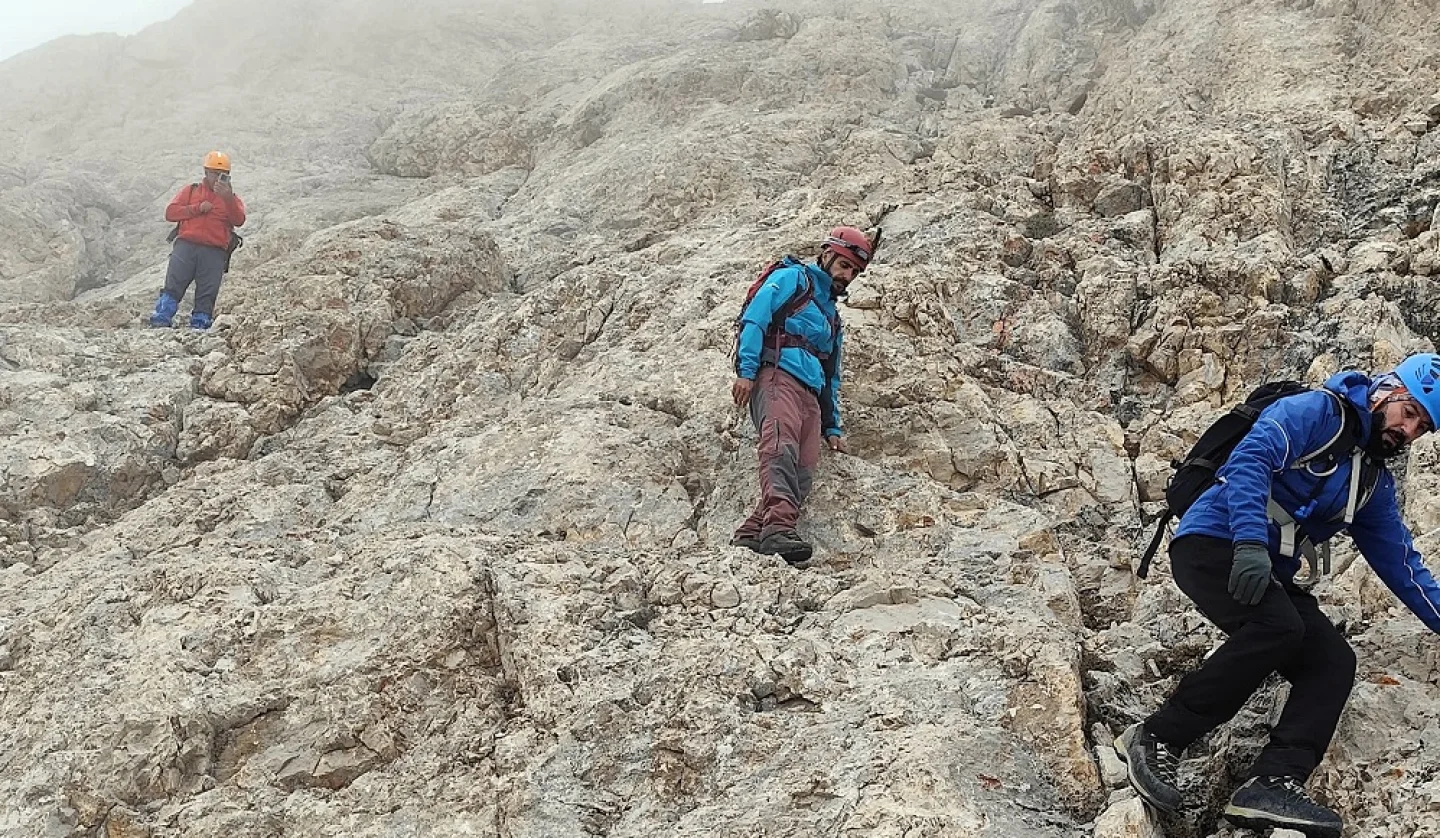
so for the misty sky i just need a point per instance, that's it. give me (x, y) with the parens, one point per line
(30, 23)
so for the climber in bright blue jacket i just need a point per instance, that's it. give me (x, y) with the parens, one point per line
(787, 372)
(1236, 554)
(816, 362)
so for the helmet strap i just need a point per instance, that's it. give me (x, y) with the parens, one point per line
(837, 288)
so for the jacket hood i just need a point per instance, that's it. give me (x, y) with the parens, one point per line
(824, 284)
(1355, 387)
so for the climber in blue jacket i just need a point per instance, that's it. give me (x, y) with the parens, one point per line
(787, 372)
(1237, 554)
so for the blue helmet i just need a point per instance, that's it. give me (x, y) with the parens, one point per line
(1421, 376)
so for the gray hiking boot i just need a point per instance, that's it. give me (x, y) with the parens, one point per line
(788, 545)
(1154, 767)
(1280, 803)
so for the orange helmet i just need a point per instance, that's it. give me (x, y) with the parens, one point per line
(218, 160)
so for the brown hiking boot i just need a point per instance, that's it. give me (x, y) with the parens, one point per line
(788, 545)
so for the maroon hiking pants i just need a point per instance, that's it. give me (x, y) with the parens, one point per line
(787, 415)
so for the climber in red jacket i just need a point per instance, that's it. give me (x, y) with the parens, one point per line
(206, 215)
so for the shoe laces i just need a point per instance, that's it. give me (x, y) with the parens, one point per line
(1167, 762)
(1291, 785)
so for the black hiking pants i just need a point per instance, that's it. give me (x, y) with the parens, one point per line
(1285, 633)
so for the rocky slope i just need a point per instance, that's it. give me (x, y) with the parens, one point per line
(428, 536)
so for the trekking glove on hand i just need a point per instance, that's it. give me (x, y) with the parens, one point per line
(1250, 572)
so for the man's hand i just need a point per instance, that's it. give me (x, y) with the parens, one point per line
(740, 391)
(1250, 572)
(204, 207)
(224, 189)
(837, 443)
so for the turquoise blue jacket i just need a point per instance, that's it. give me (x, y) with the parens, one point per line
(818, 323)
(1262, 465)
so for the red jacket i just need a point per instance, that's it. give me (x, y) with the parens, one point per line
(211, 228)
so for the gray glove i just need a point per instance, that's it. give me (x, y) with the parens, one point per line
(1250, 572)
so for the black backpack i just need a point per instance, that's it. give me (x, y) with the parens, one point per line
(1197, 471)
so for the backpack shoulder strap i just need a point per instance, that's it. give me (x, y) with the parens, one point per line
(1144, 569)
(803, 294)
(175, 231)
(1345, 439)
(798, 300)
(190, 193)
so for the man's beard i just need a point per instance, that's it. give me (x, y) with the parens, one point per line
(1383, 443)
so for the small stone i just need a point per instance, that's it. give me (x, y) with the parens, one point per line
(1119, 199)
(1112, 770)
(724, 595)
(1127, 819)
(297, 771)
(904, 595)
(1016, 251)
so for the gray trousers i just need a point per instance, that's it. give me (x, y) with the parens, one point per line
(198, 263)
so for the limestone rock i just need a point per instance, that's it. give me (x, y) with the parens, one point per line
(1129, 819)
(429, 535)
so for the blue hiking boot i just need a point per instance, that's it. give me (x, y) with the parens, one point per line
(164, 313)
(1280, 803)
(200, 321)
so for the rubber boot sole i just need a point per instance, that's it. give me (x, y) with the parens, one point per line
(1261, 822)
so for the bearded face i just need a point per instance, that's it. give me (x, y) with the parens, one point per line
(1396, 421)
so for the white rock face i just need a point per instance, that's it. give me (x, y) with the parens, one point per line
(428, 536)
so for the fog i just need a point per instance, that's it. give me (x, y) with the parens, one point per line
(25, 24)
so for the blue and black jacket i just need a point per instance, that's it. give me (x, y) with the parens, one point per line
(1262, 466)
(817, 366)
